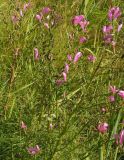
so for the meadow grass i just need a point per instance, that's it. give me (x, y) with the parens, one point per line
(61, 120)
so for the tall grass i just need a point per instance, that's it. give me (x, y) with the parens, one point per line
(63, 119)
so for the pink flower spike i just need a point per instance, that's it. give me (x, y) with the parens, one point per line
(91, 58)
(69, 57)
(102, 127)
(114, 13)
(23, 125)
(113, 89)
(38, 17)
(66, 68)
(121, 137)
(82, 39)
(36, 54)
(33, 150)
(111, 98)
(77, 56)
(121, 94)
(64, 76)
(120, 27)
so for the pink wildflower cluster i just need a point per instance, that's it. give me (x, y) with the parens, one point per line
(114, 90)
(113, 14)
(16, 17)
(74, 60)
(44, 12)
(81, 21)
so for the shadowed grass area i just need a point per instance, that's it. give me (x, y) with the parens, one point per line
(61, 120)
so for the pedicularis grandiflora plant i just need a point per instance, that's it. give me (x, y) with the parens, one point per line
(62, 80)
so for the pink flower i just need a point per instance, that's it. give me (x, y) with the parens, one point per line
(77, 56)
(23, 125)
(120, 27)
(82, 39)
(26, 6)
(77, 19)
(91, 58)
(21, 13)
(107, 29)
(108, 39)
(84, 24)
(111, 98)
(15, 19)
(121, 94)
(120, 138)
(102, 127)
(64, 76)
(36, 54)
(33, 150)
(113, 89)
(46, 10)
(66, 68)
(114, 13)
(38, 17)
(69, 57)
(46, 25)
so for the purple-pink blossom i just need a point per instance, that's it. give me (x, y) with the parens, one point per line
(15, 19)
(26, 6)
(114, 13)
(107, 29)
(66, 68)
(84, 24)
(102, 127)
(119, 138)
(36, 54)
(45, 10)
(69, 57)
(108, 39)
(82, 39)
(23, 125)
(77, 56)
(77, 19)
(34, 150)
(46, 25)
(121, 94)
(113, 89)
(111, 98)
(64, 76)
(91, 58)
(38, 17)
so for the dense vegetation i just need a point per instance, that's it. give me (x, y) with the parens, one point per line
(61, 80)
